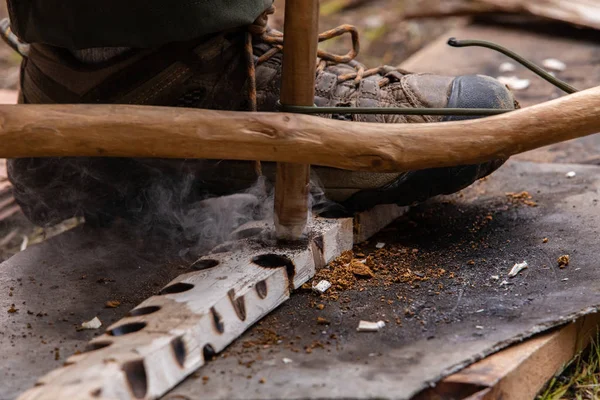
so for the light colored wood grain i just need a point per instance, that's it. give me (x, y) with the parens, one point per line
(138, 131)
(219, 303)
(584, 13)
(297, 88)
(447, 8)
(578, 12)
(520, 371)
(291, 200)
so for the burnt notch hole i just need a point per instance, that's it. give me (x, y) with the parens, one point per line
(96, 393)
(205, 264)
(246, 233)
(136, 312)
(239, 304)
(179, 287)
(208, 352)
(261, 289)
(135, 372)
(272, 261)
(318, 241)
(333, 212)
(96, 346)
(217, 320)
(127, 329)
(179, 350)
(224, 248)
(277, 261)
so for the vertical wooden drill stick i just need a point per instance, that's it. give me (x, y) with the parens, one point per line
(297, 88)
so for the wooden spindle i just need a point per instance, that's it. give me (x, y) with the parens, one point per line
(297, 88)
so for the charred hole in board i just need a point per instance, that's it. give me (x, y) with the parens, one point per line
(277, 261)
(204, 264)
(262, 289)
(179, 350)
(246, 233)
(135, 372)
(334, 211)
(179, 287)
(136, 312)
(126, 329)
(208, 352)
(224, 248)
(96, 346)
(217, 320)
(318, 241)
(239, 304)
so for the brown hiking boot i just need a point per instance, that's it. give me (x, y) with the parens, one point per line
(212, 72)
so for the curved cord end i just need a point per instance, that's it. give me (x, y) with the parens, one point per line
(521, 60)
(454, 42)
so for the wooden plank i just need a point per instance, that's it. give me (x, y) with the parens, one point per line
(584, 13)
(96, 130)
(520, 371)
(446, 8)
(579, 12)
(297, 88)
(169, 336)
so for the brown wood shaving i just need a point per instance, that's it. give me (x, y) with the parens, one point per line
(563, 261)
(521, 198)
(360, 269)
(112, 304)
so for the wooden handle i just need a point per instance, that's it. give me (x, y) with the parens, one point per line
(142, 131)
(297, 88)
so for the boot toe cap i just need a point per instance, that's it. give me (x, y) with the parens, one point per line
(478, 91)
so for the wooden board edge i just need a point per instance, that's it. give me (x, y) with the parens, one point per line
(519, 371)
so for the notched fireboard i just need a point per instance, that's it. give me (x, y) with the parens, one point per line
(194, 317)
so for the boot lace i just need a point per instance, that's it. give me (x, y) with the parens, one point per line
(261, 31)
